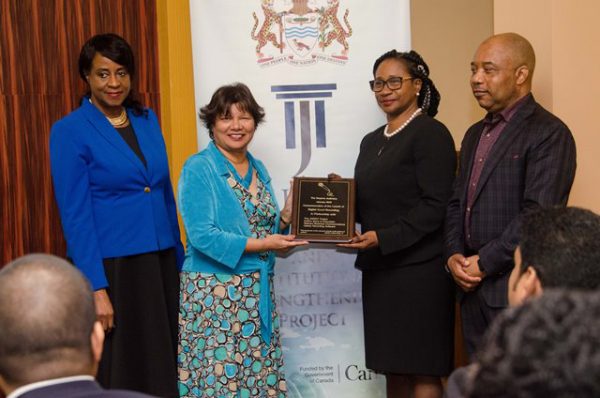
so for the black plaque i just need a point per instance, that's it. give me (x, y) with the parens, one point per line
(323, 209)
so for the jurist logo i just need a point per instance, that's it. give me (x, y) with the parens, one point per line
(305, 97)
(308, 32)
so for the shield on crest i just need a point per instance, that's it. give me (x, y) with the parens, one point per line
(301, 32)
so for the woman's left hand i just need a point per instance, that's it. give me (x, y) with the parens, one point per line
(364, 241)
(286, 212)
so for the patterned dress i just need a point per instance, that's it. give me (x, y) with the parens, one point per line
(221, 352)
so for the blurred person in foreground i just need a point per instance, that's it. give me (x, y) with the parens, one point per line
(548, 347)
(559, 248)
(50, 340)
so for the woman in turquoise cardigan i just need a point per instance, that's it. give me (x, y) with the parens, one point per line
(228, 326)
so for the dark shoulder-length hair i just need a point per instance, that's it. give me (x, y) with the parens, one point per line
(115, 48)
(221, 101)
(429, 96)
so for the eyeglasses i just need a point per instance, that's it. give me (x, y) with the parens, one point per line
(393, 83)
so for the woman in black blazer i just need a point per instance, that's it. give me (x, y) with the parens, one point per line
(404, 176)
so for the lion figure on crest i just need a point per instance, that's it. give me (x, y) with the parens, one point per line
(331, 27)
(264, 34)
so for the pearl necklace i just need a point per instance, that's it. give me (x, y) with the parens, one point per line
(399, 129)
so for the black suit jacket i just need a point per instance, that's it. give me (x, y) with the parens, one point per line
(531, 165)
(80, 389)
(402, 189)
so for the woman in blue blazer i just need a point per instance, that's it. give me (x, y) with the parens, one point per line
(229, 329)
(112, 185)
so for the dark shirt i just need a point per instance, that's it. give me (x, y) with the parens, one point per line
(129, 136)
(493, 125)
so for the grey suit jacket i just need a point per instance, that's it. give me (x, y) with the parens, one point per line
(531, 165)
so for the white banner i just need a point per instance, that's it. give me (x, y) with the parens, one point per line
(308, 63)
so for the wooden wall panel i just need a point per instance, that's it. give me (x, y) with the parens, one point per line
(39, 83)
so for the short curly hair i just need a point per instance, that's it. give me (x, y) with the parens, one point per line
(221, 101)
(563, 245)
(548, 347)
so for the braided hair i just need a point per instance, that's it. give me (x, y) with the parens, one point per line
(429, 96)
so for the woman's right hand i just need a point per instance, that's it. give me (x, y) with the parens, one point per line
(368, 240)
(104, 310)
(275, 242)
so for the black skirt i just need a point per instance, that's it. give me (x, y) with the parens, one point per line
(140, 353)
(409, 319)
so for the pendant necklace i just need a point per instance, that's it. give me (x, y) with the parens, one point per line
(247, 179)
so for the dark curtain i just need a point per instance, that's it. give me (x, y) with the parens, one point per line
(39, 83)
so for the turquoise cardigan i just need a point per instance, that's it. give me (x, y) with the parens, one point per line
(217, 228)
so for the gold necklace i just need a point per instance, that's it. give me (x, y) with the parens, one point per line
(119, 121)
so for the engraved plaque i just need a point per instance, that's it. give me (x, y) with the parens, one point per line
(323, 209)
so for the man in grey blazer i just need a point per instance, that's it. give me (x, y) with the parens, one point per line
(518, 158)
(50, 340)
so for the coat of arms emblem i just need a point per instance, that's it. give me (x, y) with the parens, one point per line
(308, 32)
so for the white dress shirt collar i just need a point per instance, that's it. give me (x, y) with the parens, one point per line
(40, 384)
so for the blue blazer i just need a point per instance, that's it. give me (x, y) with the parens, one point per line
(110, 204)
(216, 226)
